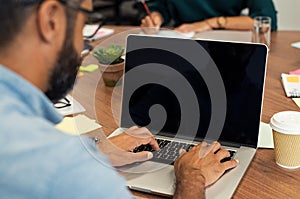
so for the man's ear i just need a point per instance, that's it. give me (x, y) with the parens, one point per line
(51, 21)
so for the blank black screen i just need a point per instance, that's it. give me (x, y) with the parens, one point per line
(241, 66)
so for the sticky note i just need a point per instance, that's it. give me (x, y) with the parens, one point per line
(291, 85)
(265, 138)
(297, 101)
(296, 44)
(89, 68)
(292, 78)
(295, 72)
(78, 125)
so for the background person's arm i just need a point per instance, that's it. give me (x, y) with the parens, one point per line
(256, 8)
(229, 23)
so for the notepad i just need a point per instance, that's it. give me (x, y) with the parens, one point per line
(291, 85)
(78, 125)
(265, 138)
(171, 34)
(297, 101)
(225, 35)
(175, 34)
(296, 45)
(102, 32)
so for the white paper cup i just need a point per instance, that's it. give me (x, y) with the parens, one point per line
(286, 135)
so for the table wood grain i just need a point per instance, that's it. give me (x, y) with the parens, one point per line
(263, 179)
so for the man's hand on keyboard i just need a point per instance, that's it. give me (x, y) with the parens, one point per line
(121, 146)
(200, 167)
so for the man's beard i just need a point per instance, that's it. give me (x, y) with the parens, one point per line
(64, 74)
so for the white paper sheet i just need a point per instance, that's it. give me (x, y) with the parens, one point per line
(78, 125)
(225, 35)
(265, 138)
(171, 34)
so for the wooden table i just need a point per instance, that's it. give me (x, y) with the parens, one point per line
(264, 179)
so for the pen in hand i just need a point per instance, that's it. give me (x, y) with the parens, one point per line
(147, 11)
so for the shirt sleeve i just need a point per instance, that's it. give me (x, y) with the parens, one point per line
(161, 6)
(263, 8)
(87, 173)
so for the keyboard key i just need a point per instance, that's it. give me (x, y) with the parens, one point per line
(168, 153)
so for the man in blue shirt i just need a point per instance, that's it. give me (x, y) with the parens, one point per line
(40, 45)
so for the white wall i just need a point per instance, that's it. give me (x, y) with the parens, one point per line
(288, 14)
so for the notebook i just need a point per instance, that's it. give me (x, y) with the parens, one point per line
(102, 32)
(228, 35)
(188, 91)
(291, 85)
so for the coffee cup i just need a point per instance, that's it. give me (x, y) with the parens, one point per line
(286, 135)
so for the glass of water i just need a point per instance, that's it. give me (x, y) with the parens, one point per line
(262, 30)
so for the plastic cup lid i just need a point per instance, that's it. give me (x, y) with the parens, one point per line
(287, 122)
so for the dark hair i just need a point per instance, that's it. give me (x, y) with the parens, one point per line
(15, 13)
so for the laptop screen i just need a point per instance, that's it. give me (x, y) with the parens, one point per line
(194, 89)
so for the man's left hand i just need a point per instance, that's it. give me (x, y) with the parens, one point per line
(119, 148)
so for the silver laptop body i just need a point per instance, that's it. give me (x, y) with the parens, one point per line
(228, 86)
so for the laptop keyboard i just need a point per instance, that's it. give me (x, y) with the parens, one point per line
(169, 151)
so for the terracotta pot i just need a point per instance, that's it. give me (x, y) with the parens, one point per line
(111, 73)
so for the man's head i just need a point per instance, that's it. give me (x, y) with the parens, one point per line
(42, 41)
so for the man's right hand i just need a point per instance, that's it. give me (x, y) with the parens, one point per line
(199, 168)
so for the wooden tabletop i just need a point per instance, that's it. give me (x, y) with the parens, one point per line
(263, 179)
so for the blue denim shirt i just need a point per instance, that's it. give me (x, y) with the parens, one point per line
(39, 161)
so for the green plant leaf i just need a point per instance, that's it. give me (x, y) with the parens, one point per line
(109, 55)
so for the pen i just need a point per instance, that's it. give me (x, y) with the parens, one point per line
(148, 11)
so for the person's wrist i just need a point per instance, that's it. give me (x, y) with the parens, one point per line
(212, 22)
(187, 188)
(210, 27)
(222, 22)
(186, 176)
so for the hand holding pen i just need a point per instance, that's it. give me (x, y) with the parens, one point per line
(153, 20)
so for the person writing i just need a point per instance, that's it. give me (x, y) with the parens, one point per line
(203, 15)
(41, 41)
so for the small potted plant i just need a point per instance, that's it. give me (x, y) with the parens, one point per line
(110, 62)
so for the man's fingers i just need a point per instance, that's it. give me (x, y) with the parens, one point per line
(142, 136)
(230, 164)
(151, 141)
(140, 156)
(181, 152)
(222, 153)
(154, 144)
(132, 128)
(142, 132)
(215, 146)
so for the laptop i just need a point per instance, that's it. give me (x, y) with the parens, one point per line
(186, 91)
